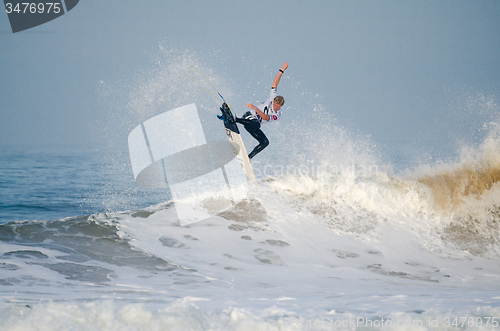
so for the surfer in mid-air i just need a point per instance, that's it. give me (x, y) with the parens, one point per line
(269, 111)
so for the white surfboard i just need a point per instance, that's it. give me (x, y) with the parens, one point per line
(234, 137)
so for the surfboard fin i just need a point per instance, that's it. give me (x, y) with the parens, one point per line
(222, 118)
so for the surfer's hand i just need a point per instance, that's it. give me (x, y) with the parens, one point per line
(249, 105)
(284, 66)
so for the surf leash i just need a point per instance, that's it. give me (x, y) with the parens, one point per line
(206, 80)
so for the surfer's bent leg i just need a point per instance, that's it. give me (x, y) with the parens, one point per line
(261, 137)
(253, 127)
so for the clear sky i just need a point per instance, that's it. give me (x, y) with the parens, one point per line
(395, 70)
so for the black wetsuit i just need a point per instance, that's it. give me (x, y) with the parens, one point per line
(253, 127)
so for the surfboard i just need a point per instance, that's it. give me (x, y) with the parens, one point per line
(234, 137)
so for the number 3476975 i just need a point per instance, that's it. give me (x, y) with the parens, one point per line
(33, 8)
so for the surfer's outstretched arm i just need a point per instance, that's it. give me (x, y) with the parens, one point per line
(276, 80)
(257, 110)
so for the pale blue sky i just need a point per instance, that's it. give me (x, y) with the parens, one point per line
(395, 70)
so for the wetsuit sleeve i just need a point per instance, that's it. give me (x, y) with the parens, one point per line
(274, 92)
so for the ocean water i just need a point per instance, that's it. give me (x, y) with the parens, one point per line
(324, 250)
(339, 234)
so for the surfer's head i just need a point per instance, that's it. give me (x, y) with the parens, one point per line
(278, 102)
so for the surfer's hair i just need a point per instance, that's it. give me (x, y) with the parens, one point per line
(279, 100)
